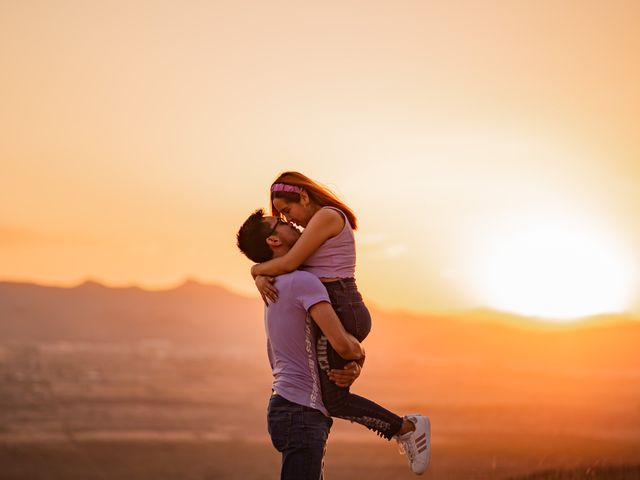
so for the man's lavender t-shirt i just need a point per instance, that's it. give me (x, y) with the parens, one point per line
(291, 338)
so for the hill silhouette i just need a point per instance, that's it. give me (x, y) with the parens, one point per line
(480, 355)
(192, 313)
(199, 314)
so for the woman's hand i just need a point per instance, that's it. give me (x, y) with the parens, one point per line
(268, 291)
(346, 376)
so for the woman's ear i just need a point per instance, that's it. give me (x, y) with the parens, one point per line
(304, 198)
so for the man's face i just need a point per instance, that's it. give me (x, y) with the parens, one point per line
(285, 231)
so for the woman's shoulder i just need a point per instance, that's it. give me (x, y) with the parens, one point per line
(334, 213)
(326, 223)
(331, 216)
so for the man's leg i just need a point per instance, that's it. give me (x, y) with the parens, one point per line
(300, 433)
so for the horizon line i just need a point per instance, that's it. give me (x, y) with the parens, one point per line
(477, 310)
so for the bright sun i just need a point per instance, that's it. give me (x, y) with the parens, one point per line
(558, 270)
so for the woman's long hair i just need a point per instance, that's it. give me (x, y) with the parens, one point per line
(319, 194)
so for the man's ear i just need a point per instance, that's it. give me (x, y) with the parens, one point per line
(274, 241)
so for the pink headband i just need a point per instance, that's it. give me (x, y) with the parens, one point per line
(283, 187)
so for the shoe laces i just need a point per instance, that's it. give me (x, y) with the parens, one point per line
(408, 448)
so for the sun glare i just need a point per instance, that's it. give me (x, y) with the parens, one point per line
(555, 270)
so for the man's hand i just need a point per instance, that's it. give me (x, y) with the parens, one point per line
(268, 291)
(346, 376)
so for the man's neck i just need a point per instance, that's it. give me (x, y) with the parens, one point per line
(280, 252)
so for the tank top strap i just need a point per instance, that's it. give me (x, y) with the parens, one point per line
(336, 257)
(344, 216)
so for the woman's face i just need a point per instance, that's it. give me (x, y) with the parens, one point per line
(293, 211)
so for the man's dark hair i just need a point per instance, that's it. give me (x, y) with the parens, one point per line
(252, 238)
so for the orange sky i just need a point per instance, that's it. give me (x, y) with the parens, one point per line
(137, 137)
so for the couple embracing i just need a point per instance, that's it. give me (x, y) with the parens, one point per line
(315, 320)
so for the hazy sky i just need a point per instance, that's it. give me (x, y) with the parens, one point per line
(477, 141)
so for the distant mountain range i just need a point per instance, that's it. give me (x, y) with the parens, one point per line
(209, 315)
(192, 313)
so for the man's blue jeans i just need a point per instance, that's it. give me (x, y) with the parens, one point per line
(300, 433)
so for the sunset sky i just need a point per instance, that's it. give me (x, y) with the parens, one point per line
(491, 149)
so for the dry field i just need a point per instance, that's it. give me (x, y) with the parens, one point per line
(208, 460)
(88, 395)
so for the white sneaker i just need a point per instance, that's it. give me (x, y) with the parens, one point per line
(417, 444)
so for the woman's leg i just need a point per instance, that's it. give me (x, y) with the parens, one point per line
(339, 401)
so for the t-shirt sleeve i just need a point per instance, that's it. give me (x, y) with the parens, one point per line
(310, 290)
